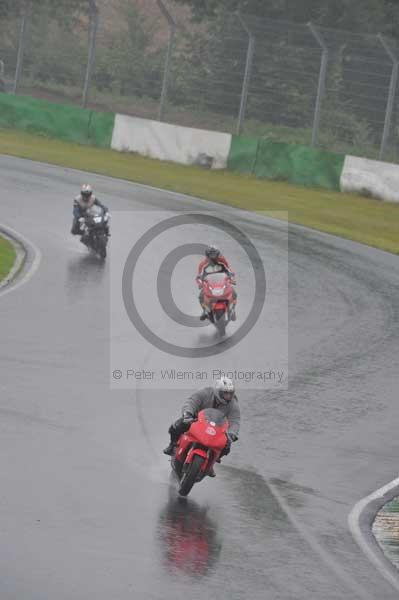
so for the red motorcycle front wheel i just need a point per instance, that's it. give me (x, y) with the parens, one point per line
(191, 475)
(220, 322)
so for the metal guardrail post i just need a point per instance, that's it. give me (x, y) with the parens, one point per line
(391, 96)
(247, 75)
(322, 82)
(23, 34)
(94, 19)
(168, 59)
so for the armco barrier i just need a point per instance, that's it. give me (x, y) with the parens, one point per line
(164, 141)
(64, 122)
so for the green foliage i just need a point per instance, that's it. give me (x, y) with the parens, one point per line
(208, 64)
(200, 63)
(59, 8)
(126, 64)
(355, 15)
(56, 52)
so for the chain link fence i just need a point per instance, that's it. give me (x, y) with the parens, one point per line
(286, 81)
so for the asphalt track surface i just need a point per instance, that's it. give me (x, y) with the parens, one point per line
(86, 507)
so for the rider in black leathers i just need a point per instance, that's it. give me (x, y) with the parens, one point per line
(81, 204)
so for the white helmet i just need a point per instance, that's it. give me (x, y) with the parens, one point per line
(86, 193)
(224, 390)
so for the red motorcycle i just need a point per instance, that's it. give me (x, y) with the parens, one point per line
(199, 448)
(218, 298)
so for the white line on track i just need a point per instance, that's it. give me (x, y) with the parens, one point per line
(355, 515)
(323, 554)
(33, 262)
(366, 509)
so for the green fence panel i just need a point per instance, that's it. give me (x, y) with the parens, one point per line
(64, 122)
(101, 127)
(243, 154)
(68, 123)
(299, 164)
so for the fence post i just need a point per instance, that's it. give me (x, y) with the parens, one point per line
(168, 58)
(22, 45)
(247, 75)
(391, 96)
(94, 18)
(322, 82)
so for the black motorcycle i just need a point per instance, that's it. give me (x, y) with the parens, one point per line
(95, 230)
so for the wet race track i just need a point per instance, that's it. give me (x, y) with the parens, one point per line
(87, 509)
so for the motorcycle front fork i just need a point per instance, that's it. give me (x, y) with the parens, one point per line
(229, 313)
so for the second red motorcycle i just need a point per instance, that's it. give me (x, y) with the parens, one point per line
(219, 300)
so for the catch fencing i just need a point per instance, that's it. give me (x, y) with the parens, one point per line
(278, 80)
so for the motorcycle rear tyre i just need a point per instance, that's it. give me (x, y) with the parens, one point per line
(220, 322)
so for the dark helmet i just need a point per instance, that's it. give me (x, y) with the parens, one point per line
(212, 253)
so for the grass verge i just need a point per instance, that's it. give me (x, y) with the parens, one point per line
(7, 257)
(360, 219)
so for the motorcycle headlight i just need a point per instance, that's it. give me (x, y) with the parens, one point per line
(218, 291)
(97, 220)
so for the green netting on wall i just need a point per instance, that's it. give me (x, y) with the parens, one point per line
(286, 162)
(64, 122)
(243, 154)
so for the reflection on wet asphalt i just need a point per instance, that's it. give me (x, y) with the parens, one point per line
(188, 537)
(84, 272)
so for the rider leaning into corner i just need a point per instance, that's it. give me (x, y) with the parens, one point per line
(81, 205)
(214, 262)
(222, 397)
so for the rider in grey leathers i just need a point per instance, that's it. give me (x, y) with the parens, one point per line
(222, 397)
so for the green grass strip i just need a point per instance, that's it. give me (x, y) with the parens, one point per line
(361, 219)
(7, 257)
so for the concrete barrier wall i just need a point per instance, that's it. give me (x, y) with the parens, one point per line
(171, 142)
(370, 178)
(188, 146)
